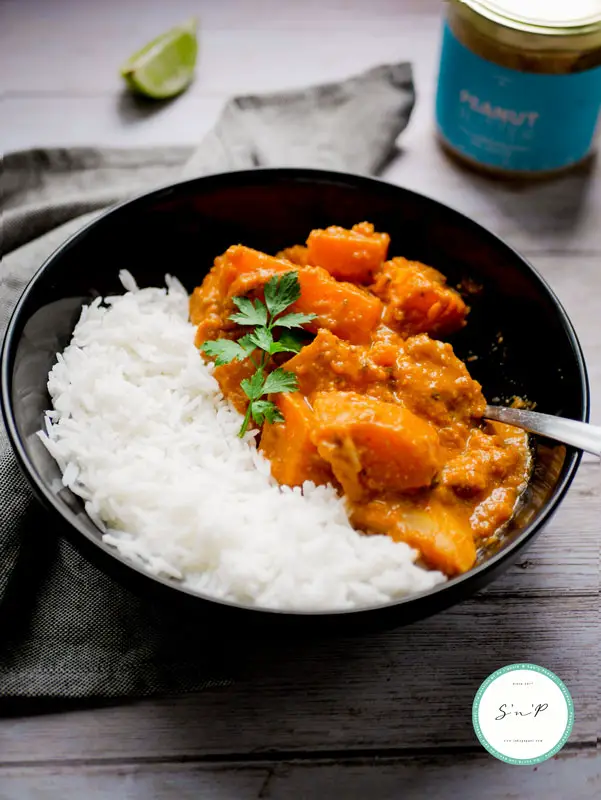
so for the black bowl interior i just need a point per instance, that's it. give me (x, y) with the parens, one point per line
(519, 340)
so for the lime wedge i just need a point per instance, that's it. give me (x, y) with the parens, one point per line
(164, 67)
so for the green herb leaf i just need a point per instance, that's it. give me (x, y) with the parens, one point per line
(251, 313)
(280, 380)
(262, 338)
(281, 291)
(262, 410)
(291, 341)
(278, 347)
(295, 320)
(224, 351)
(253, 387)
(247, 343)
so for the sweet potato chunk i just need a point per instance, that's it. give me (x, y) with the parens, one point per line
(289, 447)
(298, 254)
(210, 303)
(491, 472)
(374, 446)
(331, 364)
(443, 538)
(241, 260)
(417, 299)
(348, 311)
(229, 376)
(349, 255)
(486, 461)
(207, 304)
(436, 385)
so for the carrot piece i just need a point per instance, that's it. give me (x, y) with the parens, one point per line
(351, 255)
(443, 539)
(374, 446)
(417, 299)
(288, 445)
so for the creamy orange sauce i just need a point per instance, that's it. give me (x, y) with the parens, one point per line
(385, 411)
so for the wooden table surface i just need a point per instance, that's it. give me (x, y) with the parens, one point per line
(387, 716)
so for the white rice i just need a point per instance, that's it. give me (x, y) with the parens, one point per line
(141, 432)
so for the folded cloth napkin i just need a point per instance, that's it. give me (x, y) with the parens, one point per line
(66, 629)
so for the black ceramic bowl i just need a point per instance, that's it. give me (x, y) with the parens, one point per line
(523, 340)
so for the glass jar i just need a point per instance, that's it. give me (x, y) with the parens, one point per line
(519, 89)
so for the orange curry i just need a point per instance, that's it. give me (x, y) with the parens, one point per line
(385, 410)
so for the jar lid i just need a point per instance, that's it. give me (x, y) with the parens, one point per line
(542, 16)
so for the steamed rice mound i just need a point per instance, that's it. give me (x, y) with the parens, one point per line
(141, 432)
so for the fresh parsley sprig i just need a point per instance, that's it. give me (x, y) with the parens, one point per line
(281, 292)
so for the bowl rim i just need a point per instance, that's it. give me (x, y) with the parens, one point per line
(476, 574)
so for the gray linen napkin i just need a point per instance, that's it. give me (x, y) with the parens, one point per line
(66, 629)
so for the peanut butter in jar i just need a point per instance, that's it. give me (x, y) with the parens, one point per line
(519, 90)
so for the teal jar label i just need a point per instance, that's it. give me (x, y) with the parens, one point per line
(513, 120)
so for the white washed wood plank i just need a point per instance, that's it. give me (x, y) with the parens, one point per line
(574, 775)
(231, 61)
(184, 782)
(110, 121)
(576, 279)
(151, 17)
(407, 689)
(481, 777)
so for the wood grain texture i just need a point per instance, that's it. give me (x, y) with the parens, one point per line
(87, 62)
(302, 721)
(573, 775)
(111, 121)
(411, 688)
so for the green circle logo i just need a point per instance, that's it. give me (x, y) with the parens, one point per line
(523, 714)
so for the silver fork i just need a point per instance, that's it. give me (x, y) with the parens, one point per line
(569, 431)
